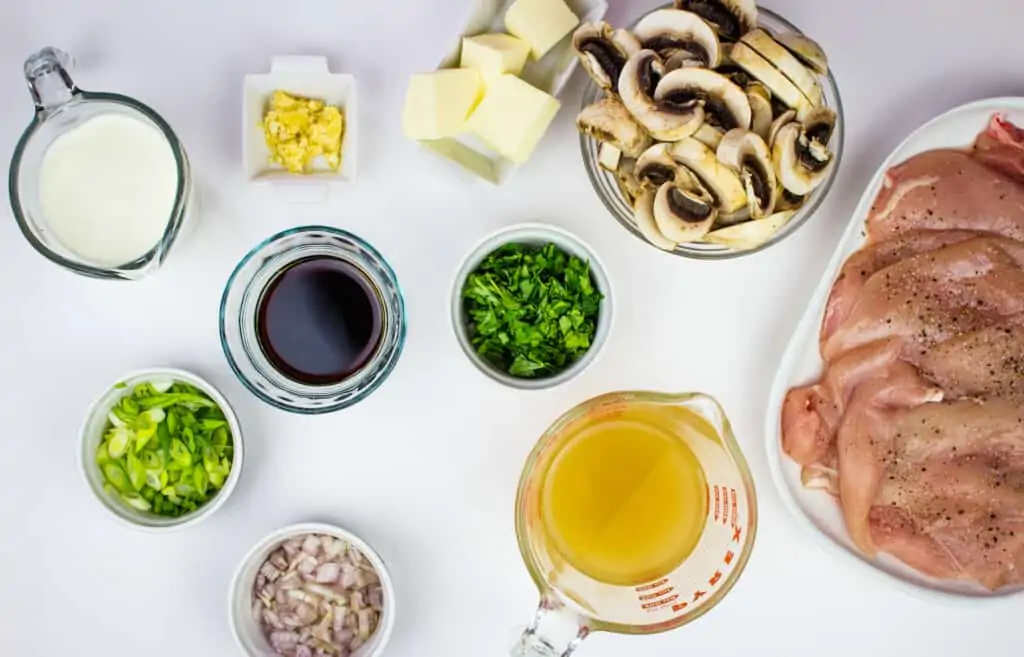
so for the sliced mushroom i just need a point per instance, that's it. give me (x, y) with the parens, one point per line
(722, 182)
(603, 52)
(791, 67)
(643, 212)
(609, 121)
(819, 125)
(725, 105)
(609, 156)
(679, 37)
(628, 183)
(801, 161)
(709, 135)
(683, 210)
(750, 234)
(787, 200)
(780, 121)
(807, 50)
(748, 154)
(782, 88)
(761, 113)
(731, 18)
(655, 166)
(665, 121)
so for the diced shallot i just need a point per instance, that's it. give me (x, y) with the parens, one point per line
(317, 596)
(327, 572)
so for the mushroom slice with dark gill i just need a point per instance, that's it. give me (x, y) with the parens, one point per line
(608, 121)
(655, 166)
(603, 52)
(807, 50)
(664, 121)
(680, 38)
(719, 180)
(643, 213)
(748, 154)
(801, 154)
(731, 18)
(725, 105)
(683, 210)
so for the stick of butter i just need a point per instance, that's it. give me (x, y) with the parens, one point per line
(540, 23)
(494, 55)
(512, 117)
(437, 104)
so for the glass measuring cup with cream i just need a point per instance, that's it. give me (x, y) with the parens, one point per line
(99, 183)
(636, 513)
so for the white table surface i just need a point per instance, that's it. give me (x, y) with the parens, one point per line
(426, 468)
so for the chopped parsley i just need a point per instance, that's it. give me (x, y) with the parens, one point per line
(531, 310)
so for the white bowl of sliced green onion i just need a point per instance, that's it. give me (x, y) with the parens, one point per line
(161, 449)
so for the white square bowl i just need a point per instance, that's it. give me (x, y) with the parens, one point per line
(549, 74)
(299, 75)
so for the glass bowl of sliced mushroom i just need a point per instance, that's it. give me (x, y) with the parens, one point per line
(709, 129)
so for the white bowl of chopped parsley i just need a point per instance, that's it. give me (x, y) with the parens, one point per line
(161, 449)
(531, 306)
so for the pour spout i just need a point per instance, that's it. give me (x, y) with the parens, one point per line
(49, 82)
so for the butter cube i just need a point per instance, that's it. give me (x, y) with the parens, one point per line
(540, 23)
(513, 116)
(437, 104)
(494, 55)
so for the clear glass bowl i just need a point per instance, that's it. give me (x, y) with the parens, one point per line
(240, 302)
(607, 186)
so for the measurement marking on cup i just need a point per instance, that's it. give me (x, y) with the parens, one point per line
(651, 606)
(735, 508)
(657, 594)
(728, 557)
(718, 504)
(714, 578)
(652, 585)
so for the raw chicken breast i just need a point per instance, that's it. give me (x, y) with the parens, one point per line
(946, 190)
(933, 296)
(1001, 147)
(920, 480)
(863, 264)
(916, 426)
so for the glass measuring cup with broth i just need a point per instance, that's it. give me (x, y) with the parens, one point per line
(635, 514)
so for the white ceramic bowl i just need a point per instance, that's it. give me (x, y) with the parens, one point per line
(306, 76)
(240, 596)
(91, 434)
(533, 233)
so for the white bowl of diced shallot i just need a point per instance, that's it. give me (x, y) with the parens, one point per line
(312, 590)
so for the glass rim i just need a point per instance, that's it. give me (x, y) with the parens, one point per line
(386, 366)
(174, 219)
(598, 176)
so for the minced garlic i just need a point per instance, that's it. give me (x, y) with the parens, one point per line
(298, 130)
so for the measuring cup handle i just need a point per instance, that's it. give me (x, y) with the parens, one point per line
(553, 626)
(49, 82)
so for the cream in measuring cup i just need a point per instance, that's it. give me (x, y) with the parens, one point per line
(100, 184)
(636, 513)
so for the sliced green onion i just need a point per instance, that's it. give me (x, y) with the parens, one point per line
(167, 448)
